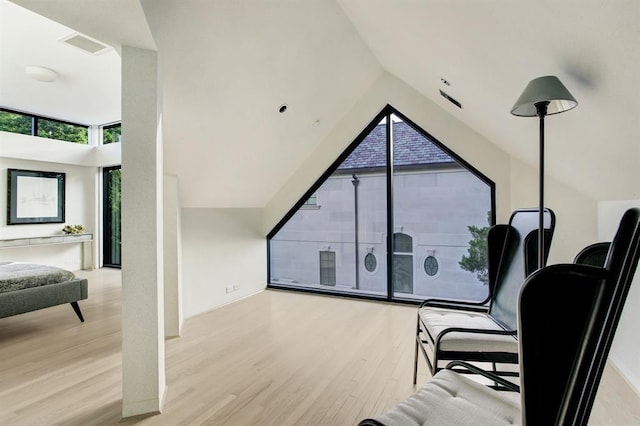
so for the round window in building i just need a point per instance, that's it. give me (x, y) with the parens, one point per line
(431, 266)
(370, 262)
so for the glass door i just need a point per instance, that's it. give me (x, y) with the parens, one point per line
(112, 200)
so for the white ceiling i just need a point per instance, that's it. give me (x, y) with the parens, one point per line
(227, 66)
(87, 90)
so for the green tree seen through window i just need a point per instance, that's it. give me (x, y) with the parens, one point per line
(111, 134)
(15, 123)
(476, 259)
(63, 131)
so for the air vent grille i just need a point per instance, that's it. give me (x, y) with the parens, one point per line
(450, 99)
(84, 43)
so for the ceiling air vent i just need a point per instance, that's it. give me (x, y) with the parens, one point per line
(85, 44)
(450, 99)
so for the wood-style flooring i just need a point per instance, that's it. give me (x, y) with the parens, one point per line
(275, 358)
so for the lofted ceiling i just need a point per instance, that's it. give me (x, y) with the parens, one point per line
(227, 66)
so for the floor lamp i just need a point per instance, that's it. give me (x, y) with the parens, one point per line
(543, 96)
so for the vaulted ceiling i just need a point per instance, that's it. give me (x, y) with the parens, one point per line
(227, 67)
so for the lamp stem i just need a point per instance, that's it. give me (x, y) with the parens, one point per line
(541, 108)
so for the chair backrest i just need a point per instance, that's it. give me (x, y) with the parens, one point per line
(621, 265)
(594, 255)
(517, 261)
(567, 318)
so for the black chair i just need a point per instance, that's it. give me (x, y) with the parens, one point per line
(485, 331)
(594, 255)
(563, 349)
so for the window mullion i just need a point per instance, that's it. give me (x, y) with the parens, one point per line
(390, 226)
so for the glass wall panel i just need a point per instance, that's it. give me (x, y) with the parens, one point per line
(111, 134)
(112, 200)
(435, 201)
(436, 211)
(15, 123)
(62, 131)
(341, 229)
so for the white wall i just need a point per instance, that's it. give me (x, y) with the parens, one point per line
(458, 137)
(108, 155)
(25, 147)
(576, 220)
(221, 248)
(626, 344)
(81, 164)
(79, 209)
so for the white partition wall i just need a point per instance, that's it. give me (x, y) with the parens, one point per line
(143, 371)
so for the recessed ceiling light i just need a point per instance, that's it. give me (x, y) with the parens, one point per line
(282, 108)
(41, 73)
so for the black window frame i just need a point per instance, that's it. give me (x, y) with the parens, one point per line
(387, 113)
(108, 127)
(34, 124)
(108, 257)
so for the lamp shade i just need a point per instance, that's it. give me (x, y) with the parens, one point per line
(544, 89)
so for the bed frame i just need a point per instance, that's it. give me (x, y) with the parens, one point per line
(34, 298)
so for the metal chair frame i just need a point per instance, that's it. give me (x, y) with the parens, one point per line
(511, 258)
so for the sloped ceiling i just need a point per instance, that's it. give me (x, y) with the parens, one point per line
(227, 66)
(489, 50)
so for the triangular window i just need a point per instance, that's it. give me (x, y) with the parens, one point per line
(394, 179)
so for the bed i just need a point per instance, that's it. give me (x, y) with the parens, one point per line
(26, 287)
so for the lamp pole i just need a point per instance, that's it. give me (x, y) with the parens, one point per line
(543, 96)
(541, 109)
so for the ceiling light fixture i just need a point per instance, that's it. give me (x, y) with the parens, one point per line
(41, 73)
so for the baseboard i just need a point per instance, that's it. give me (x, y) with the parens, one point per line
(142, 409)
(633, 389)
(215, 308)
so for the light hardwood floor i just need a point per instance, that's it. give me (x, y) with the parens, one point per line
(275, 358)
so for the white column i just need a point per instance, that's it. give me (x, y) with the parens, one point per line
(173, 316)
(143, 371)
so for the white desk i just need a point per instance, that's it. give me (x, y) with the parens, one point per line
(54, 239)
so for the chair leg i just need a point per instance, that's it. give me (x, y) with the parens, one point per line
(415, 356)
(76, 309)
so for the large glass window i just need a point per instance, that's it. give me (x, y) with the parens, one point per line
(27, 124)
(394, 180)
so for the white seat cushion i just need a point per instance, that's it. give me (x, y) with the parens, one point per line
(452, 399)
(439, 319)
